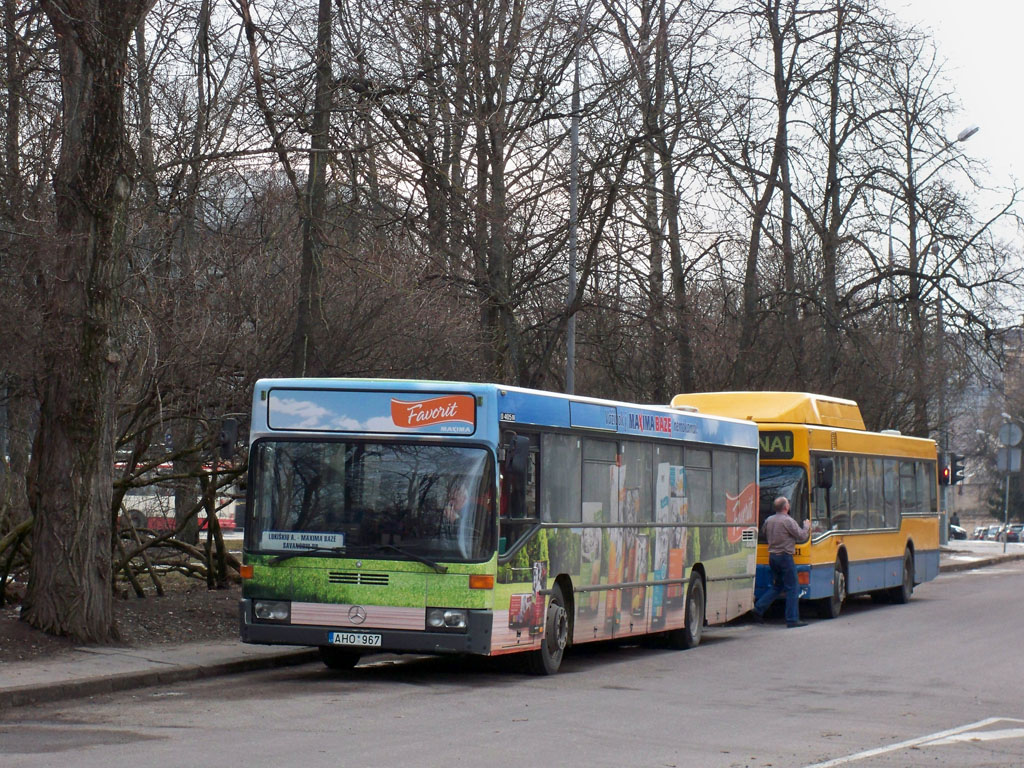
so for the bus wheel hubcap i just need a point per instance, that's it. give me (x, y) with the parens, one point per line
(558, 627)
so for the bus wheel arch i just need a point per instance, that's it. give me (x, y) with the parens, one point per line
(695, 613)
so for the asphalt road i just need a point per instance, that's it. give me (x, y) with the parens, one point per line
(937, 682)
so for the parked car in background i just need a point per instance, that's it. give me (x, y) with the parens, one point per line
(1015, 532)
(980, 532)
(956, 532)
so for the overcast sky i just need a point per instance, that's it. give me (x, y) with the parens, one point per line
(983, 42)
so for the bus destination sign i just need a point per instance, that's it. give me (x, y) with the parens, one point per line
(776, 445)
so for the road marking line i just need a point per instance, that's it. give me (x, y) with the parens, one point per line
(934, 737)
(1005, 733)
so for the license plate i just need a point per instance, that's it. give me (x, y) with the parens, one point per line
(354, 638)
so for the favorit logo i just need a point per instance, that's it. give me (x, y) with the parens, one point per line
(417, 414)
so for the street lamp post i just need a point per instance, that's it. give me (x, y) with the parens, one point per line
(1010, 435)
(909, 196)
(961, 137)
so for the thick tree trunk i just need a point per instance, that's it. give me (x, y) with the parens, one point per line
(70, 479)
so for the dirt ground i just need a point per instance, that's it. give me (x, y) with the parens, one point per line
(188, 611)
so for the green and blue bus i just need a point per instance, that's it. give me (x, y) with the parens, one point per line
(457, 518)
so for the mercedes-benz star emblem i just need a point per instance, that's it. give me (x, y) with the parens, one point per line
(357, 614)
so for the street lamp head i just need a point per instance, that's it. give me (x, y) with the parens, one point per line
(966, 133)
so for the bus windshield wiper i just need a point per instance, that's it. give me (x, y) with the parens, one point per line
(303, 551)
(406, 553)
(418, 558)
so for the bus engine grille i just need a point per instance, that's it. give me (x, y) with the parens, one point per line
(356, 577)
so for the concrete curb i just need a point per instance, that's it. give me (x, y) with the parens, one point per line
(970, 565)
(95, 686)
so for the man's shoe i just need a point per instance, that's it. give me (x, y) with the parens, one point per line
(794, 624)
(758, 617)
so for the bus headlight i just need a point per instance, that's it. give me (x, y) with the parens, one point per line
(272, 610)
(447, 619)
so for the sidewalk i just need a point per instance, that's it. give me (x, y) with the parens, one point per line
(93, 671)
(963, 555)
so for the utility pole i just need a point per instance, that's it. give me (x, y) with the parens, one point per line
(1008, 460)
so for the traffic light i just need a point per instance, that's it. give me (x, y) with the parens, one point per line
(956, 469)
(226, 438)
(945, 473)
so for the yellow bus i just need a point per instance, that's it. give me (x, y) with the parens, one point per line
(872, 497)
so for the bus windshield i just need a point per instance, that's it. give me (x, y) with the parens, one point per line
(368, 499)
(776, 481)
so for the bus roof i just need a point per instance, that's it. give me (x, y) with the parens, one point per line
(777, 407)
(326, 405)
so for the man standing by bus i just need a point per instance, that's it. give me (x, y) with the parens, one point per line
(783, 534)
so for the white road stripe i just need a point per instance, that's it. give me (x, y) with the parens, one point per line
(937, 738)
(1005, 733)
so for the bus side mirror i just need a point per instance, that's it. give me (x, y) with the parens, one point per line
(824, 470)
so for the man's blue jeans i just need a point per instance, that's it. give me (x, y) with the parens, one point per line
(783, 580)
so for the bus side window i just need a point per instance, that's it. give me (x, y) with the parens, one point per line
(909, 500)
(514, 475)
(518, 501)
(858, 493)
(841, 495)
(560, 478)
(820, 521)
(890, 486)
(875, 479)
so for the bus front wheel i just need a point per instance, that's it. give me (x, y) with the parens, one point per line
(693, 621)
(338, 658)
(548, 659)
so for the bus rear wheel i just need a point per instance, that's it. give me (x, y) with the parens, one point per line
(902, 593)
(548, 659)
(338, 658)
(830, 607)
(693, 621)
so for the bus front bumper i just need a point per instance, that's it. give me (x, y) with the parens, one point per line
(475, 640)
